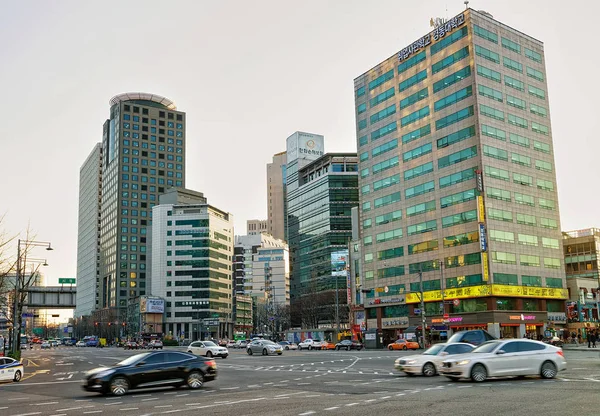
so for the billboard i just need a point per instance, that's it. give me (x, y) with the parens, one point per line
(304, 146)
(151, 305)
(338, 263)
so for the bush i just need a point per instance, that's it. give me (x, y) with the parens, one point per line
(170, 343)
(15, 354)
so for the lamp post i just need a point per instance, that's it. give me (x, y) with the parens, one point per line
(16, 302)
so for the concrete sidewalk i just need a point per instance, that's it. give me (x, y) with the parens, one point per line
(582, 346)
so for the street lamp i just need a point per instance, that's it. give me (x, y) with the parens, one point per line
(16, 314)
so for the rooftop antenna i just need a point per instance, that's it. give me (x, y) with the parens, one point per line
(466, 4)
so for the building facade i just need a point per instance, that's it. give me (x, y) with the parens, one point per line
(276, 177)
(191, 257)
(320, 198)
(88, 234)
(254, 227)
(457, 183)
(143, 154)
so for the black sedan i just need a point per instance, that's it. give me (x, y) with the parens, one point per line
(151, 369)
(348, 345)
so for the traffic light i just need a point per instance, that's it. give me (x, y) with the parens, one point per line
(110, 323)
(95, 323)
(124, 324)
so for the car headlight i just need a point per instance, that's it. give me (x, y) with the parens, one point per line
(411, 361)
(104, 373)
(463, 362)
(397, 361)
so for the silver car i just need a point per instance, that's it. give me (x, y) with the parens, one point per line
(264, 347)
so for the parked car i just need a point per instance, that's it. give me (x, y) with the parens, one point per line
(230, 344)
(501, 358)
(45, 345)
(11, 369)
(429, 362)
(264, 347)
(310, 344)
(80, 344)
(53, 342)
(241, 343)
(131, 345)
(348, 345)
(223, 343)
(402, 344)
(151, 369)
(288, 345)
(473, 337)
(156, 344)
(208, 348)
(556, 341)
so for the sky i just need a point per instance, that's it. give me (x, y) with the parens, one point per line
(248, 74)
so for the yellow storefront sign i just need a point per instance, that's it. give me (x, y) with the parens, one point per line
(488, 290)
(481, 209)
(485, 267)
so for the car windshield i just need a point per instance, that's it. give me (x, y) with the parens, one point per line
(267, 342)
(435, 350)
(487, 347)
(133, 359)
(210, 344)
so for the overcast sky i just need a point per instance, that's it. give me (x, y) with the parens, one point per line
(248, 74)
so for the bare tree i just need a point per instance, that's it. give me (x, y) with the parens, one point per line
(7, 265)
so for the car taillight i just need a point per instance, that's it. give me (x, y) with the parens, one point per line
(211, 363)
(560, 352)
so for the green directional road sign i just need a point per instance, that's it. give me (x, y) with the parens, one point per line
(66, 281)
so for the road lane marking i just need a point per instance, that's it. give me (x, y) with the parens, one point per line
(112, 404)
(68, 408)
(41, 404)
(15, 398)
(385, 397)
(182, 395)
(92, 411)
(141, 395)
(129, 408)
(310, 412)
(332, 408)
(230, 388)
(351, 404)
(29, 414)
(152, 398)
(164, 405)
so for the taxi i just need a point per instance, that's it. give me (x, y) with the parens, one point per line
(10, 369)
(402, 344)
(326, 345)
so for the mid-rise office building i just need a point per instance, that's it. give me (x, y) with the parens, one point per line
(254, 227)
(88, 234)
(458, 183)
(276, 177)
(143, 154)
(321, 195)
(191, 257)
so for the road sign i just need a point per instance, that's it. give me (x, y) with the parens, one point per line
(456, 302)
(66, 281)
(417, 311)
(211, 322)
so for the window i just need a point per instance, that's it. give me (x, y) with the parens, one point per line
(422, 227)
(417, 152)
(365, 189)
(525, 219)
(547, 204)
(489, 73)
(535, 74)
(543, 166)
(533, 55)
(364, 172)
(362, 124)
(456, 137)
(517, 121)
(519, 140)
(495, 153)
(453, 98)
(414, 116)
(448, 40)
(386, 147)
(502, 236)
(514, 83)
(491, 112)
(417, 134)
(500, 215)
(390, 272)
(368, 257)
(496, 173)
(452, 79)
(379, 98)
(386, 182)
(461, 239)
(504, 258)
(555, 282)
(418, 171)
(384, 131)
(361, 108)
(496, 193)
(362, 141)
(449, 60)
(412, 61)
(364, 156)
(422, 247)
(427, 284)
(536, 92)
(516, 102)
(386, 200)
(551, 263)
(390, 253)
(389, 235)
(485, 34)
(462, 218)
(389, 217)
(414, 98)
(420, 208)
(381, 79)
(487, 54)
(549, 223)
(454, 118)
(360, 91)
(528, 240)
(414, 80)
(520, 159)
(522, 179)
(368, 240)
(463, 260)
(539, 128)
(531, 280)
(419, 189)
(538, 110)
(366, 206)
(550, 242)
(506, 279)
(457, 198)
(490, 93)
(457, 157)
(380, 115)
(457, 177)
(510, 45)
(493, 132)
(545, 185)
(386, 164)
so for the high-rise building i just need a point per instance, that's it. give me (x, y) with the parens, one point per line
(457, 171)
(254, 227)
(191, 252)
(276, 177)
(143, 154)
(321, 195)
(581, 248)
(88, 234)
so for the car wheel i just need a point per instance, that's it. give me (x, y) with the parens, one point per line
(209, 354)
(190, 352)
(390, 348)
(119, 386)
(404, 348)
(478, 373)
(194, 380)
(337, 348)
(265, 352)
(17, 376)
(347, 348)
(249, 351)
(223, 357)
(548, 369)
(310, 347)
(429, 370)
(287, 348)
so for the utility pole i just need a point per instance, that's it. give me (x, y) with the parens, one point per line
(423, 325)
(441, 263)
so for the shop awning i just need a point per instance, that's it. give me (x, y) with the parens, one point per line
(411, 329)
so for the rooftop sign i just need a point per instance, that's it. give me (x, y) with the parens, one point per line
(439, 32)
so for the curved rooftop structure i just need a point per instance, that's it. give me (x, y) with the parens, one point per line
(143, 96)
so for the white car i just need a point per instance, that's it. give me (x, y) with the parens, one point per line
(230, 344)
(310, 344)
(207, 348)
(502, 358)
(80, 344)
(428, 362)
(11, 369)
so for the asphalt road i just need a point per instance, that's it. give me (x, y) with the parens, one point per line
(299, 383)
